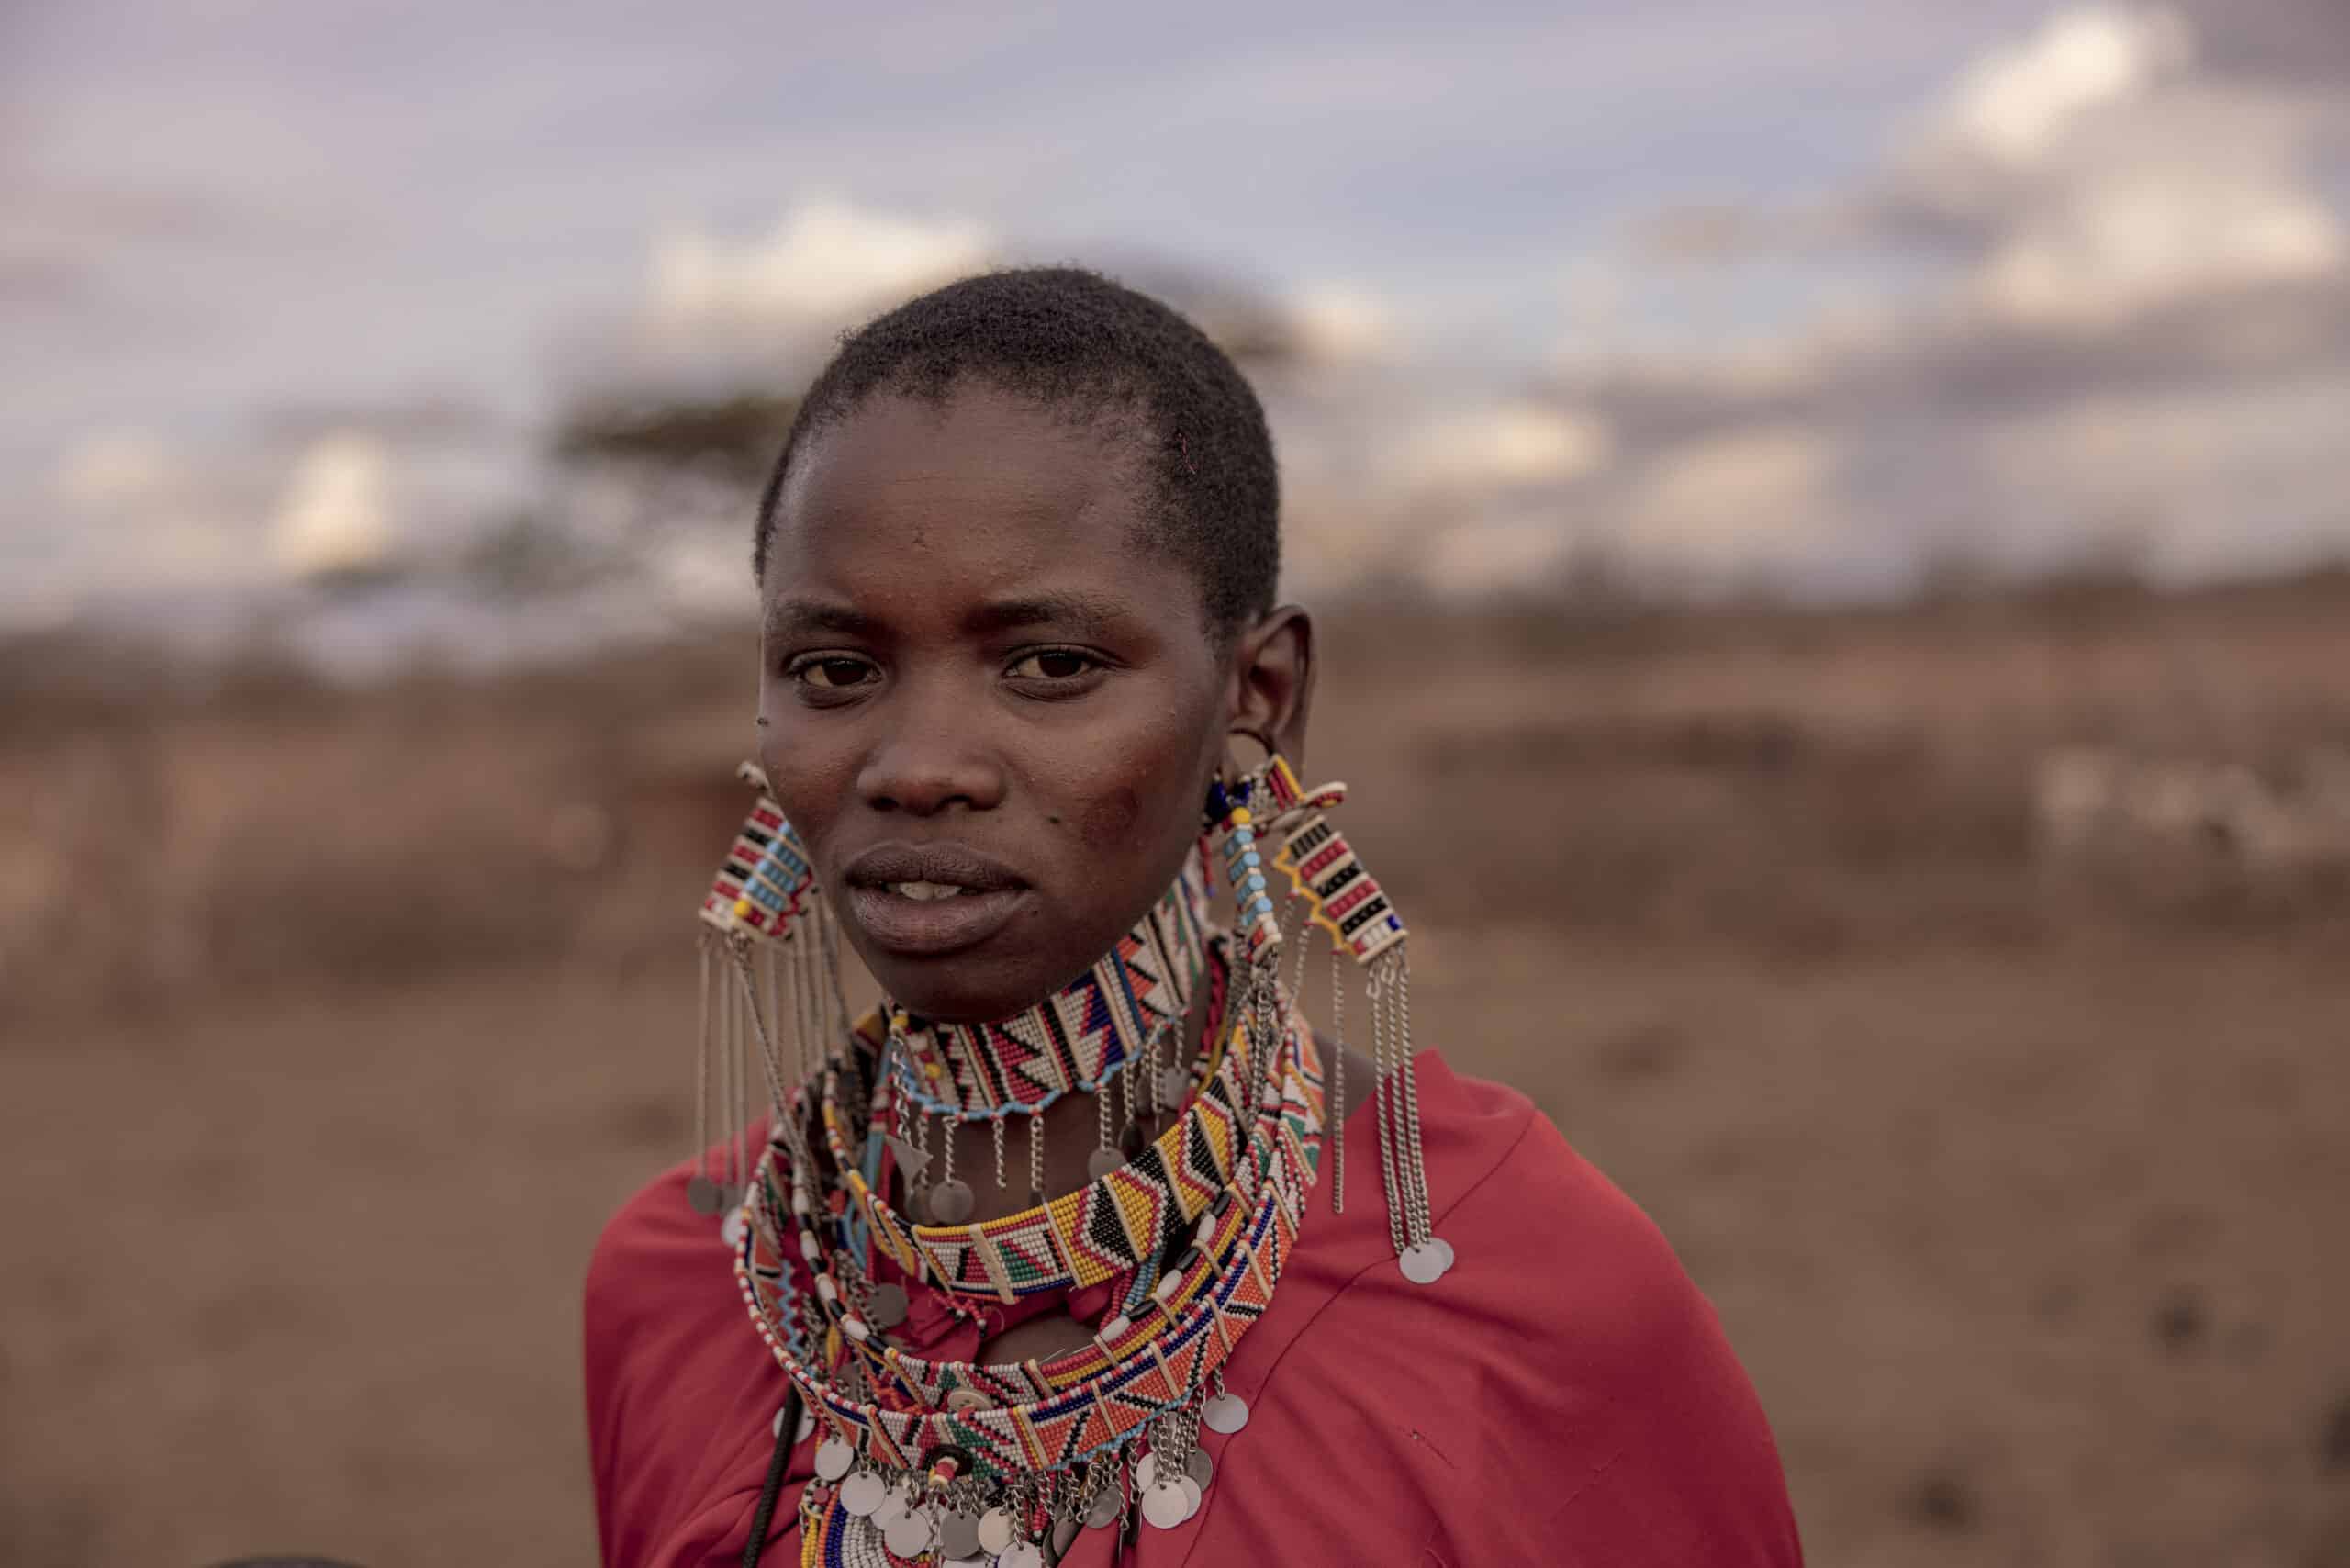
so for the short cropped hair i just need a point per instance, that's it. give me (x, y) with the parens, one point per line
(1076, 342)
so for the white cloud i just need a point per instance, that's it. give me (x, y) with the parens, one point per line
(1756, 496)
(336, 514)
(2140, 237)
(114, 469)
(1506, 444)
(2016, 103)
(824, 258)
(1342, 324)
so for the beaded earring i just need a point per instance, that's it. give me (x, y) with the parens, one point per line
(1339, 895)
(770, 952)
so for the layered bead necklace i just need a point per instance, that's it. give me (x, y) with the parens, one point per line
(934, 1459)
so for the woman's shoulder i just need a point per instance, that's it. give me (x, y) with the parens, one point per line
(1542, 1240)
(1599, 1380)
(638, 1253)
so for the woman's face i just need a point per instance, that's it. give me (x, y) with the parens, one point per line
(990, 710)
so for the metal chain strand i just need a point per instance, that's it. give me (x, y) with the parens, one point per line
(795, 1137)
(1382, 1096)
(996, 1122)
(1293, 926)
(1035, 1159)
(1419, 1170)
(701, 1070)
(1336, 1119)
(730, 1084)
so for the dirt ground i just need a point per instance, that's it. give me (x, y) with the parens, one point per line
(2019, 1187)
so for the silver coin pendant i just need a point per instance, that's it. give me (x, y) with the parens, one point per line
(834, 1458)
(1423, 1264)
(1227, 1412)
(1165, 1506)
(887, 1308)
(907, 1535)
(959, 1534)
(998, 1530)
(862, 1494)
(950, 1202)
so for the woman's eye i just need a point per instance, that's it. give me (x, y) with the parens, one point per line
(833, 674)
(1051, 664)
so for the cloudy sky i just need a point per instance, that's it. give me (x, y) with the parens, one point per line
(1734, 290)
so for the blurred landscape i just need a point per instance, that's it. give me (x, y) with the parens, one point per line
(1831, 526)
(1960, 985)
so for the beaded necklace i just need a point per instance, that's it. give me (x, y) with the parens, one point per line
(1081, 1037)
(1112, 1226)
(931, 1459)
(1027, 1435)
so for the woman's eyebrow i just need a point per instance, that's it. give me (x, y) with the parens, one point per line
(1087, 615)
(790, 616)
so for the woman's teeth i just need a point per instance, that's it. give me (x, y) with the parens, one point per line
(925, 891)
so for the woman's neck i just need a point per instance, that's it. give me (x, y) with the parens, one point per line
(1070, 1128)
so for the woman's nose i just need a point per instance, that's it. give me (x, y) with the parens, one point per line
(930, 761)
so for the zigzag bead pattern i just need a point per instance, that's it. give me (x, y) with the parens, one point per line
(1085, 1032)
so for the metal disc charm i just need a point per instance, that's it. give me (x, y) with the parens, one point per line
(1172, 1084)
(1227, 1412)
(1020, 1554)
(895, 1506)
(1191, 1494)
(702, 1193)
(887, 1308)
(1425, 1264)
(1102, 1161)
(998, 1530)
(864, 1493)
(730, 1228)
(1165, 1506)
(959, 1534)
(950, 1202)
(833, 1459)
(1109, 1507)
(1146, 1472)
(907, 1535)
(1444, 1247)
(807, 1425)
(1200, 1468)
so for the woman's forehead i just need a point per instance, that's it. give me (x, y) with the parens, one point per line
(981, 498)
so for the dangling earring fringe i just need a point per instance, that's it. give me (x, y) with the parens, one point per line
(766, 921)
(1343, 897)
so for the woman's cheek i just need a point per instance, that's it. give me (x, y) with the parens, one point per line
(1110, 818)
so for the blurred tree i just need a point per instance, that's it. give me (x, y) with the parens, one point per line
(733, 439)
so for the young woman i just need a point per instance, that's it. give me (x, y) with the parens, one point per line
(1084, 1248)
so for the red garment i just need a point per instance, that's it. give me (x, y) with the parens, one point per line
(1563, 1396)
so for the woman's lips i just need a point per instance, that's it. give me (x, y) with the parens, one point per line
(919, 928)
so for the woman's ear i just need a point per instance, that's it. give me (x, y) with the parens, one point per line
(1273, 680)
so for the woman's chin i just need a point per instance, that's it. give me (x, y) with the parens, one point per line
(969, 987)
